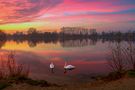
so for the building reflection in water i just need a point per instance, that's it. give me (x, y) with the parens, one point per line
(78, 43)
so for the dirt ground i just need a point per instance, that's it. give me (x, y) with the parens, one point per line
(122, 84)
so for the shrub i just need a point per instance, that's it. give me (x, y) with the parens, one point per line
(4, 85)
(131, 73)
(11, 69)
(42, 83)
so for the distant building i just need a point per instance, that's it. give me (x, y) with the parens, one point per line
(77, 30)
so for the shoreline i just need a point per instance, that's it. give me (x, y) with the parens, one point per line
(120, 84)
(101, 83)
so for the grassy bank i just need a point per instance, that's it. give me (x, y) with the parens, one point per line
(10, 82)
(121, 84)
(109, 82)
(13, 73)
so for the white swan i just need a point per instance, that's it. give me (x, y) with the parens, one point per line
(68, 67)
(52, 67)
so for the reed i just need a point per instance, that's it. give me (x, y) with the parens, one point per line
(10, 68)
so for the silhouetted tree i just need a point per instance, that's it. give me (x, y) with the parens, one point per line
(116, 58)
(2, 38)
(2, 35)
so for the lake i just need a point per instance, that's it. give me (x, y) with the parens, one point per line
(89, 58)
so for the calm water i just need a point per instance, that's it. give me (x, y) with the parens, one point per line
(89, 58)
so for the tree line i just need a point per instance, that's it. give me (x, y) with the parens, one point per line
(33, 35)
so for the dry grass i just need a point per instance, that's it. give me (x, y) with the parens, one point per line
(122, 84)
(116, 58)
(9, 67)
(13, 73)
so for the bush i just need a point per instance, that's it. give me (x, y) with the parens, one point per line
(9, 68)
(131, 73)
(41, 83)
(114, 76)
(4, 85)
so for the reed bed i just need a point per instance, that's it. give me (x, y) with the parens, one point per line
(9, 68)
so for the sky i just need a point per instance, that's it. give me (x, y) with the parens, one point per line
(50, 15)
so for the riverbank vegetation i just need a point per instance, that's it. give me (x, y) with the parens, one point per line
(121, 60)
(13, 73)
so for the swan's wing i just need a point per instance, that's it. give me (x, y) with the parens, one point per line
(69, 66)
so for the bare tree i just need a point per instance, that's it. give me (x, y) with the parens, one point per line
(116, 58)
(130, 54)
(9, 68)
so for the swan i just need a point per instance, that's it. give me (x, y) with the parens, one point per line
(52, 66)
(68, 67)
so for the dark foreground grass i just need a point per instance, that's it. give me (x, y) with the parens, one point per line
(131, 73)
(115, 76)
(14, 82)
(22, 80)
(3, 85)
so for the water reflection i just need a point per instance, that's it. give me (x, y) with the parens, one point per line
(77, 42)
(65, 43)
(89, 60)
(2, 43)
(39, 65)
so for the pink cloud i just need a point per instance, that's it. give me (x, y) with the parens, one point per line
(66, 12)
(89, 12)
(24, 10)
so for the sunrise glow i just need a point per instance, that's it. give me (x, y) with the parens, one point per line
(54, 14)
